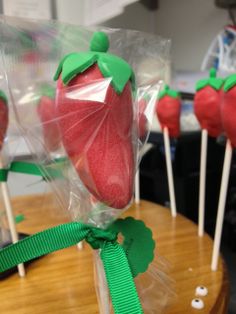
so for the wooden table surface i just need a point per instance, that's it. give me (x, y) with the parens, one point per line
(63, 282)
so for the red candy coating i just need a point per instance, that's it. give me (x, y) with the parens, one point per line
(168, 111)
(207, 110)
(97, 136)
(207, 101)
(47, 114)
(228, 109)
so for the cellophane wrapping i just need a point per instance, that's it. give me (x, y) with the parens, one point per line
(9, 135)
(87, 128)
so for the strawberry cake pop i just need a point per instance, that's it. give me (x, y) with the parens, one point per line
(95, 116)
(207, 102)
(168, 111)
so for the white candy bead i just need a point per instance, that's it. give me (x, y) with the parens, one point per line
(197, 304)
(202, 291)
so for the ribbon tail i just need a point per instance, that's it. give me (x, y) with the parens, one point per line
(42, 243)
(120, 281)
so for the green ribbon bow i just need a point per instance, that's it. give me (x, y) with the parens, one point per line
(117, 270)
(120, 262)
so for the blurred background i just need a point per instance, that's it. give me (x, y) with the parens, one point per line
(191, 24)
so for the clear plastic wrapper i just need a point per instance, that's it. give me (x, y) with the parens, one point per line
(5, 237)
(87, 136)
(155, 287)
(31, 53)
(6, 140)
(5, 113)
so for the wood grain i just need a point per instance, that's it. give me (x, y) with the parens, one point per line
(62, 282)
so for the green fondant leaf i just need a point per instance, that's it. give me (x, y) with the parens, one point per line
(110, 66)
(116, 68)
(3, 97)
(161, 94)
(138, 243)
(216, 83)
(173, 93)
(230, 82)
(168, 92)
(75, 64)
(201, 84)
(213, 81)
(60, 66)
(71, 62)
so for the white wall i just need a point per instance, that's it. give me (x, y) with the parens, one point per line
(135, 16)
(20, 184)
(70, 11)
(191, 24)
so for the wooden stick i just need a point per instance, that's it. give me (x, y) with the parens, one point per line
(202, 184)
(137, 187)
(11, 222)
(169, 172)
(10, 218)
(221, 205)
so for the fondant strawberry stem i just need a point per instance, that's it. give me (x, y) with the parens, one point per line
(212, 73)
(212, 81)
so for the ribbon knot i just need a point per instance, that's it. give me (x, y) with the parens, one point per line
(120, 281)
(98, 237)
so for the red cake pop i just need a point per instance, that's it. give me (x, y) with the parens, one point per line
(97, 133)
(168, 111)
(228, 109)
(207, 102)
(3, 117)
(47, 114)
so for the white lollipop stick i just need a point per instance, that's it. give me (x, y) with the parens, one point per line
(101, 285)
(80, 245)
(169, 172)
(202, 184)
(137, 187)
(10, 218)
(221, 205)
